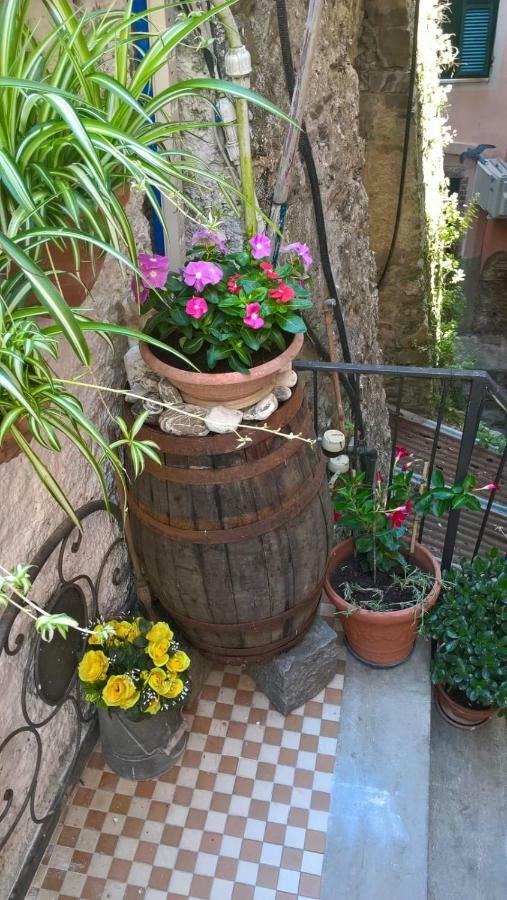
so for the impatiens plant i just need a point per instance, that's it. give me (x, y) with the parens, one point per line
(469, 625)
(377, 517)
(228, 305)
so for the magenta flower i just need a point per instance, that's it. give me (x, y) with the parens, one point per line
(398, 515)
(492, 486)
(203, 237)
(140, 296)
(302, 250)
(261, 246)
(401, 453)
(253, 317)
(196, 307)
(199, 274)
(154, 269)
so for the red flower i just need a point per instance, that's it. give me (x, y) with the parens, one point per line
(283, 293)
(401, 453)
(232, 286)
(398, 515)
(492, 486)
(336, 516)
(378, 476)
(268, 270)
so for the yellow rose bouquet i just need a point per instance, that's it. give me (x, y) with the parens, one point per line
(136, 666)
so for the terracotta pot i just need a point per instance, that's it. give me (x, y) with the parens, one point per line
(75, 285)
(229, 388)
(460, 716)
(381, 638)
(9, 449)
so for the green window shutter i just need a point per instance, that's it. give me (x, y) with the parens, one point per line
(472, 24)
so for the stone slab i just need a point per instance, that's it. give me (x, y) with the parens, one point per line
(468, 812)
(296, 676)
(377, 836)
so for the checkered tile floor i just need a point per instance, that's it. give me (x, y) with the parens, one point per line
(242, 817)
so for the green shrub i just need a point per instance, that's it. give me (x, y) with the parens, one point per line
(469, 625)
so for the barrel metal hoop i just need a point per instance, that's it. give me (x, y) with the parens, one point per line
(239, 627)
(219, 443)
(240, 533)
(262, 653)
(183, 475)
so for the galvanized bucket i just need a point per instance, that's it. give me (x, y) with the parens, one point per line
(145, 749)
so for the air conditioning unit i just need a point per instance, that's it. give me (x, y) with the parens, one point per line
(490, 187)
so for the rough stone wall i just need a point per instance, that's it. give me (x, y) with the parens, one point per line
(28, 517)
(333, 127)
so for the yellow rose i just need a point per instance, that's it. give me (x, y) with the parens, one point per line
(173, 688)
(178, 662)
(96, 637)
(93, 666)
(157, 679)
(120, 691)
(158, 631)
(153, 708)
(158, 651)
(135, 631)
(122, 630)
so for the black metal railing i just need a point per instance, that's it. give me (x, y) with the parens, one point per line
(477, 388)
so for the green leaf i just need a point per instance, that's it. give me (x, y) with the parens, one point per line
(293, 324)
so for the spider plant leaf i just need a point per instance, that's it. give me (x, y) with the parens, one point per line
(85, 451)
(112, 86)
(217, 85)
(50, 298)
(47, 479)
(15, 183)
(16, 391)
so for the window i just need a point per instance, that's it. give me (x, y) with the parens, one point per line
(472, 25)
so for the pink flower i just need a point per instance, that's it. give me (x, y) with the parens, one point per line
(232, 285)
(253, 317)
(283, 293)
(401, 453)
(261, 246)
(196, 307)
(203, 237)
(302, 250)
(140, 296)
(154, 269)
(492, 486)
(268, 270)
(199, 274)
(378, 476)
(398, 515)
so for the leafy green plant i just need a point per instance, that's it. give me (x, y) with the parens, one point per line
(469, 625)
(230, 305)
(77, 124)
(377, 518)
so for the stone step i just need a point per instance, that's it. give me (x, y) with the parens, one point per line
(377, 846)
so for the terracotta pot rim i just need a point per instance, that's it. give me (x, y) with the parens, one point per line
(485, 711)
(389, 615)
(195, 379)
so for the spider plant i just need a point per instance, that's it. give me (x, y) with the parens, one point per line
(72, 135)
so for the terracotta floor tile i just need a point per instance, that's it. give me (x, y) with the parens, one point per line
(196, 819)
(259, 810)
(145, 789)
(146, 852)
(69, 835)
(132, 827)
(243, 892)
(171, 835)
(53, 879)
(160, 878)
(235, 826)
(309, 885)
(275, 833)
(315, 841)
(106, 844)
(83, 796)
(158, 811)
(201, 887)
(93, 888)
(292, 858)
(119, 870)
(228, 765)
(210, 842)
(267, 876)
(186, 860)
(95, 820)
(80, 861)
(298, 817)
(226, 868)
(251, 750)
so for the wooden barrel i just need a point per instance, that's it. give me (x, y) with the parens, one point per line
(233, 539)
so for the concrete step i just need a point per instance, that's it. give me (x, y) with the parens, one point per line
(377, 846)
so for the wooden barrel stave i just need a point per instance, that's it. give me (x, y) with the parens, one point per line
(236, 547)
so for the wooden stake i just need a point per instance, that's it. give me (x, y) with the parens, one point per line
(417, 518)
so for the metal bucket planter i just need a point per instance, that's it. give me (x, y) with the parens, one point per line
(145, 749)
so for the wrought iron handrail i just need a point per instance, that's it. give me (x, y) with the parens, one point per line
(481, 386)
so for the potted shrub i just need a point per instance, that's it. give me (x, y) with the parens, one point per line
(377, 581)
(234, 314)
(469, 627)
(136, 674)
(86, 129)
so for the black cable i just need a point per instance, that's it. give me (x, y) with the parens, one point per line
(305, 149)
(406, 143)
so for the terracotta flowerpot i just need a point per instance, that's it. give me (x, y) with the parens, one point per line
(460, 716)
(9, 449)
(230, 389)
(75, 285)
(381, 638)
